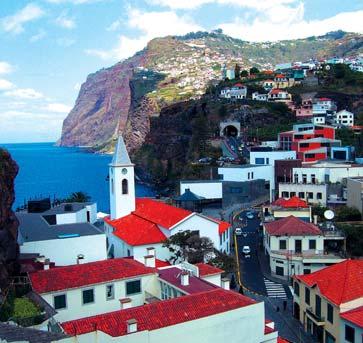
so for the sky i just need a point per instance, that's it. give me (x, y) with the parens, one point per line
(48, 47)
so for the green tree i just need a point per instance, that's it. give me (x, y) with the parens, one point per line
(78, 197)
(224, 262)
(354, 238)
(244, 73)
(222, 111)
(188, 246)
(346, 214)
(254, 71)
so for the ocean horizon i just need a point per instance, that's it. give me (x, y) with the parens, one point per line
(47, 170)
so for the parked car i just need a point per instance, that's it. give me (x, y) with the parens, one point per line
(246, 250)
(250, 215)
(205, 160)
(238, 231)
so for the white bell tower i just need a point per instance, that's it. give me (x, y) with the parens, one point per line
(122, 182)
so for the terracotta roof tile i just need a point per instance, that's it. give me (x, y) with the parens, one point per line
(79, 275)
(206, 269)
(340, 283)
(135, 230)
(293, 202)
(354, 316)
(161, 314)
(291, 226)
(160, 213)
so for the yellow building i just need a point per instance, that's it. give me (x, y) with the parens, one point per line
(321, 297)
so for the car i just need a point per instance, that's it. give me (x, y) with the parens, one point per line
(246, 250)
(238, 231)
(250, 215)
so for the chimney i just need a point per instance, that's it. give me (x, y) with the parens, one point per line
(184, 278)
(80, 259)
(149, 261)
(225, 283)
(315, 219)
(131, 325)
(46, 264)
(125, 303)
(151, 251)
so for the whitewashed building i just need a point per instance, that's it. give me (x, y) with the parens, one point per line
(344, 118)
(298, 247)
(259, 97)
(269, 157)
(62, 234)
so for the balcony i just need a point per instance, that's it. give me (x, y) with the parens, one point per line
(318, 320)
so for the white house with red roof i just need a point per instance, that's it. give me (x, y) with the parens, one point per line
(237, 91)
(295, 246)
(279, 95)
(136, 225)
(329, 302)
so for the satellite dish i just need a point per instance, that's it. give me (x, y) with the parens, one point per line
(329, 214)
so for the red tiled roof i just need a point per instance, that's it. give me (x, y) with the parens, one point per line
(160, 263)
(354, 316)
(160, 213)
(280, 76)
(291, 226)
(196, 285)
(268, 330)
(293, 202)
(135, 230)
(80, 275)
(339, 283)
(238, 85)
(276, 91)
(324, 99)
(223, 226)
(206, 269)
(160, 314)
(282, 340)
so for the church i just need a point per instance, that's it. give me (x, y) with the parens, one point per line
(137, 226)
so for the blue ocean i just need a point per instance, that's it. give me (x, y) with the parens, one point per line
(46, 170)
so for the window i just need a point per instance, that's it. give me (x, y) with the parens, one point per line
(318, 306)
(301, 195)
(349, 333)
(267, 160)
(319, 195)
(330, 313)
(282, 243)
(133, 287)
(292, 194)
(60, 301)
(259, 160)
(128, 253)
(310, 195)
(309, 155)
(304, 178)
(307, 295)
(125, 186)
(304, 145)
(248, 175)
(112, 186)
(297, 289)
(313, 179)
(312, 244)
(284, 194)
(110, 292)
(296, 178)
(88, 296)
(251, 175)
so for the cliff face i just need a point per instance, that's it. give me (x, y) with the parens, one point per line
(170, 70)
(8, 221)
(102, 106)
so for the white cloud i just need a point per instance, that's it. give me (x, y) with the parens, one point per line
(192, 4)
(5, 67)
(151, 25)
(5, 85)
(74, 2)
(64, 21)
(38, 36)
(114, 26)
(24, 93)
(58, 108)
(285, 22)
(15, 23)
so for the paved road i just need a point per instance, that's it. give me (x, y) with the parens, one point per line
(251, 275)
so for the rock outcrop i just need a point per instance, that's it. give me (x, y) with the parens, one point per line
(8, 220)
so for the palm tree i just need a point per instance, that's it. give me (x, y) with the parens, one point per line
(78, 197)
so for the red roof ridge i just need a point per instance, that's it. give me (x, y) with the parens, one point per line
(284, 227)
(169, 312)
(206, 269)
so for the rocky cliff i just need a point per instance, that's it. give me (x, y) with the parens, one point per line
(123, 98)
(8, 221)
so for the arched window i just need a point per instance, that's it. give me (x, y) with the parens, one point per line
(125, 186)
